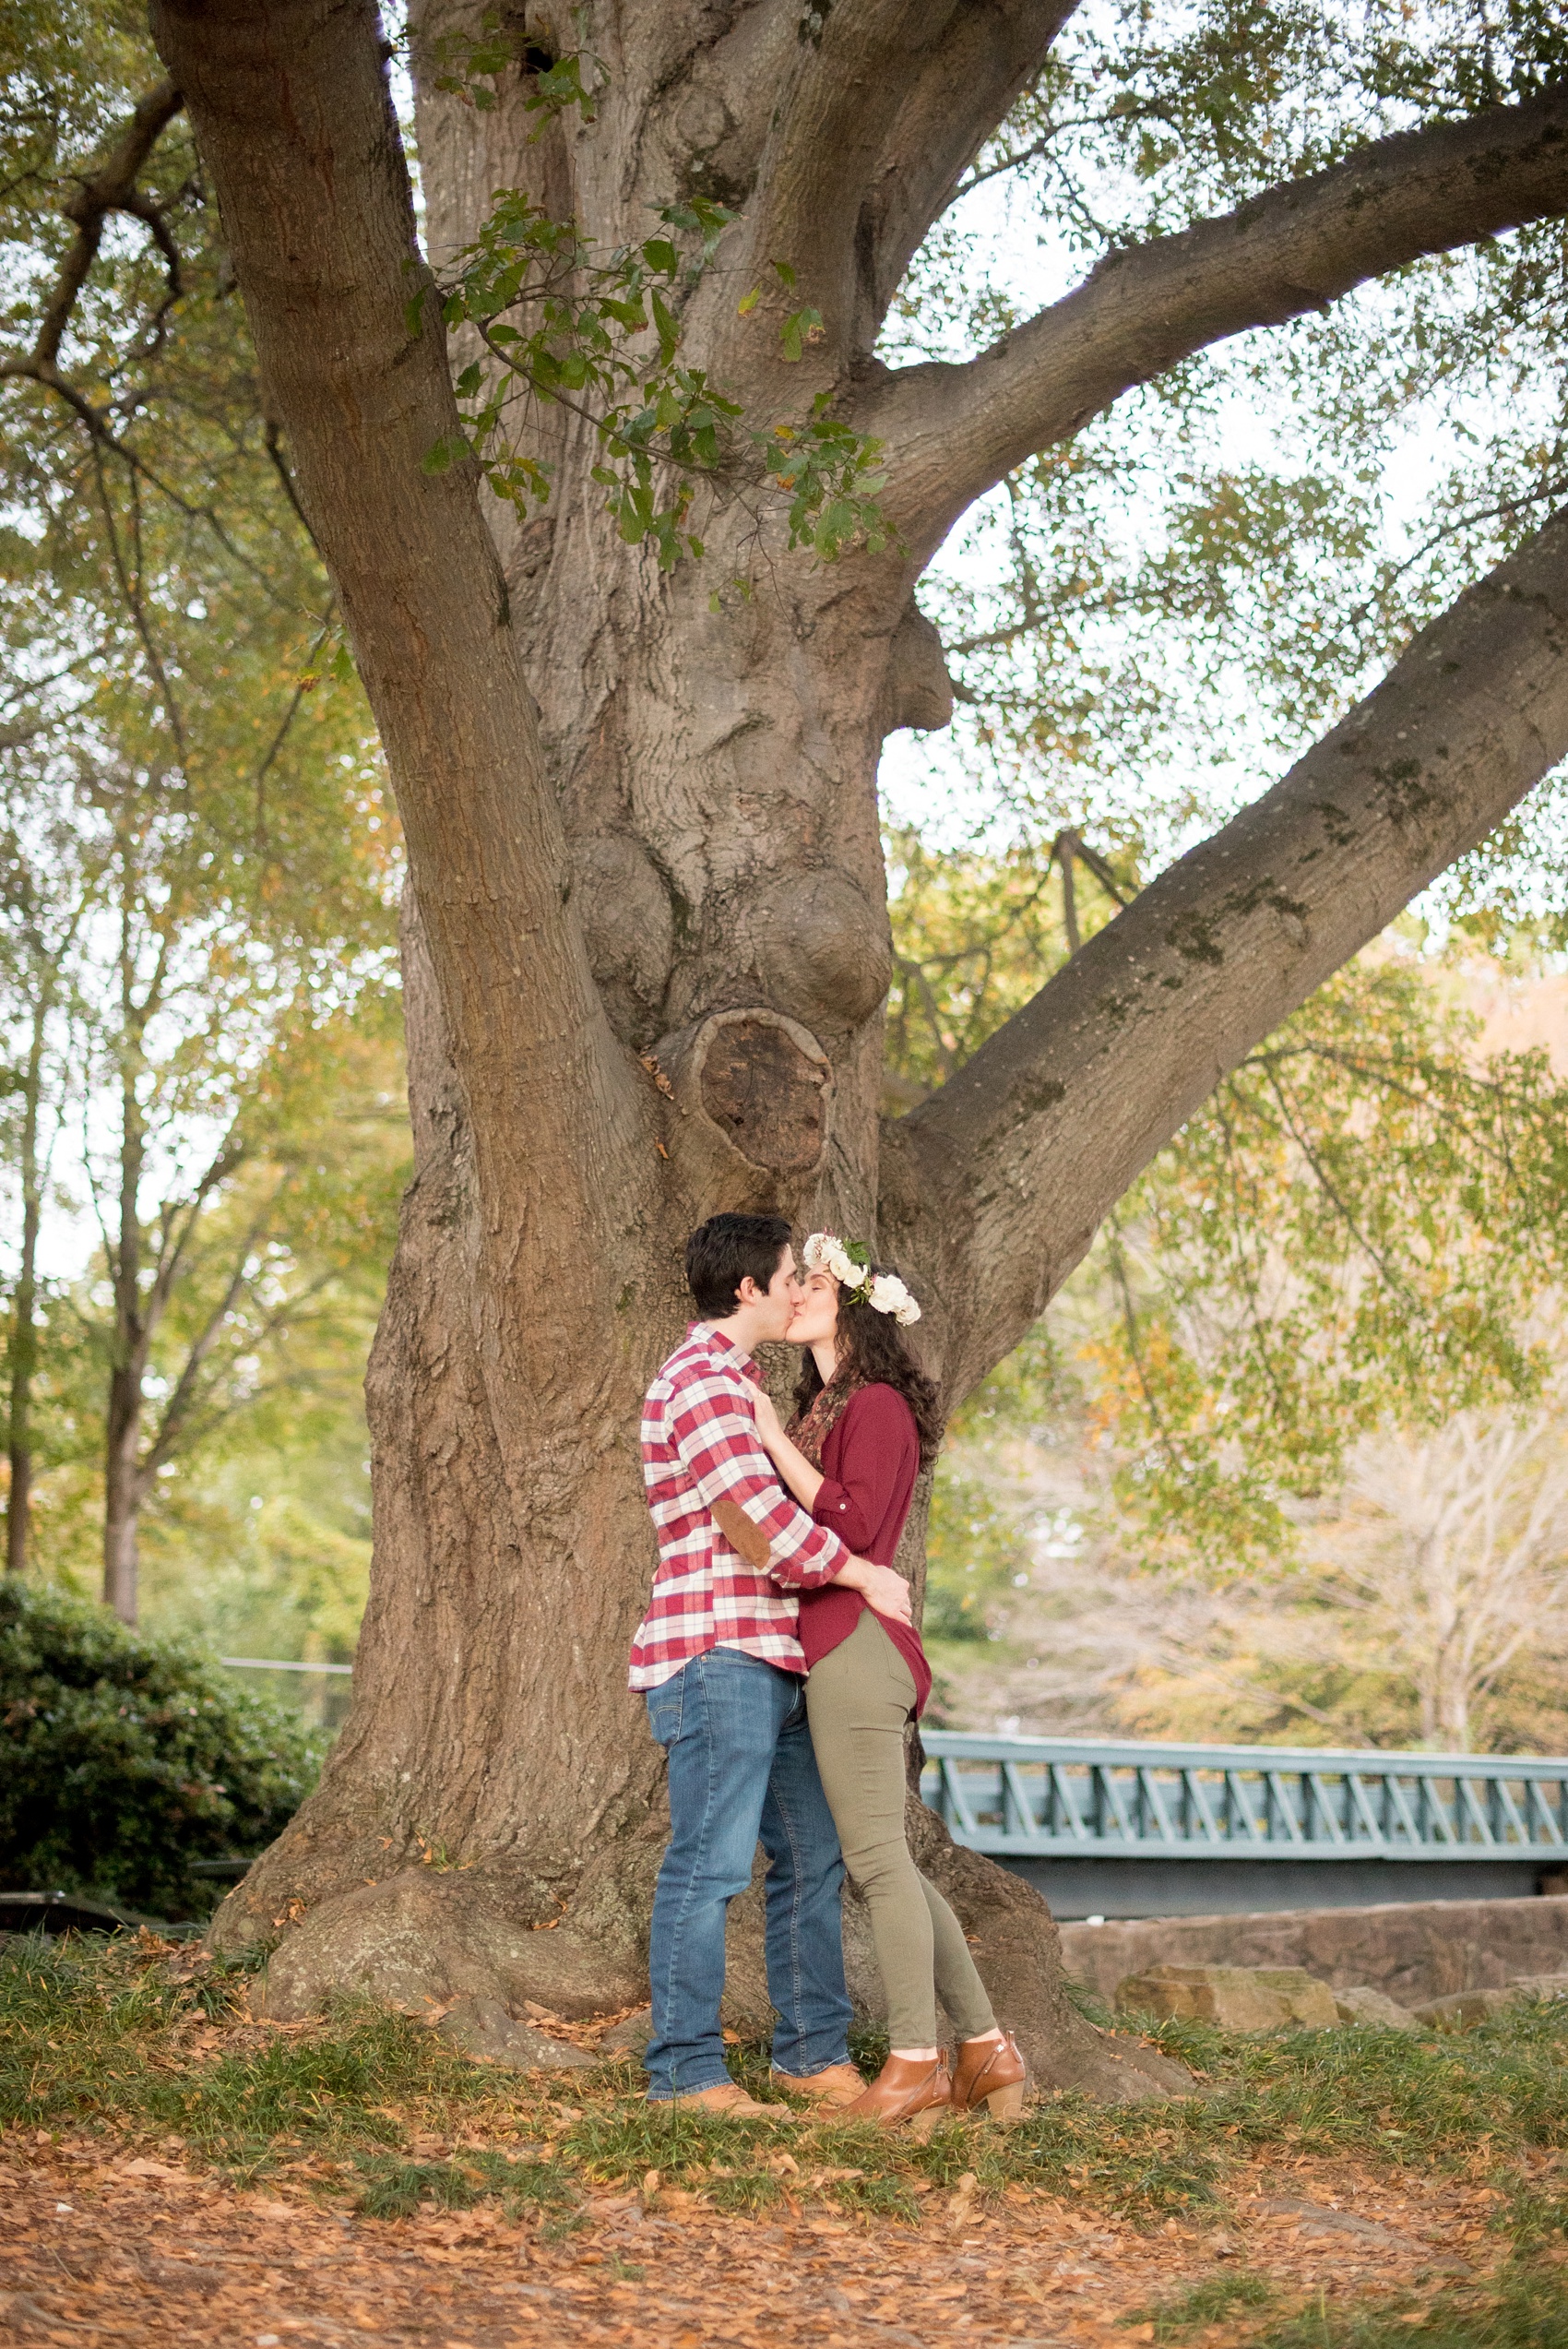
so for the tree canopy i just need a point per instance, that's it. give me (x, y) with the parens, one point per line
(646, 943)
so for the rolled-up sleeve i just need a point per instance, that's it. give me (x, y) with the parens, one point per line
(716, 1441)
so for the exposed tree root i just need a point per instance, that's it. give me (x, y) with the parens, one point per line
(426, 1939)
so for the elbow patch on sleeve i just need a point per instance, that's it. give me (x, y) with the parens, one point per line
(741, 1535)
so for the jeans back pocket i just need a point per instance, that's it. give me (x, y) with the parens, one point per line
(664, 1708)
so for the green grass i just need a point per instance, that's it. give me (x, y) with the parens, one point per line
(1204, 2304)
(1521, 2304)
(89, 2039)
(1524, 2307)
(95, 2038)
(394, 2189)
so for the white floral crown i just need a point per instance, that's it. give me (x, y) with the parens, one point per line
(850, 1263)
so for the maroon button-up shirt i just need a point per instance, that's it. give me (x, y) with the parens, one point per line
(869, 1461)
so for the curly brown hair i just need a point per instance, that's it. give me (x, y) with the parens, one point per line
(874, 1352)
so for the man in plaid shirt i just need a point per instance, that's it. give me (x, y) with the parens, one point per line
(723, 1674)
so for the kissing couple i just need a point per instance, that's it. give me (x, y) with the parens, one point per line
(782, 1667)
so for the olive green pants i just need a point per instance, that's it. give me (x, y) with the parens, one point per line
(858, 1699)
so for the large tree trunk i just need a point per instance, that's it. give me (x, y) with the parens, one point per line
(647, 945)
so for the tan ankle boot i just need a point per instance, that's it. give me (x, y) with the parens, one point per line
(835, 2089)
(905, 2090)
(990, 2072)
(730, 2099)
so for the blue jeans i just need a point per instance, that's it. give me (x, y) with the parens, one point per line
(742, 1769)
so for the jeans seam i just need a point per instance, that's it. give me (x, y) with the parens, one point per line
(796, 1987)
(678, 1924)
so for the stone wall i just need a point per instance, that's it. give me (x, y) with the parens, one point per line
(1412, 1951)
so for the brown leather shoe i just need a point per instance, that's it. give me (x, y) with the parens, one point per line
(990, 2072)
(730, 2099)
(905, 2090)
(836, 2086)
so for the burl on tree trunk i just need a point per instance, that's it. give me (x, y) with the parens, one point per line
(647, 937)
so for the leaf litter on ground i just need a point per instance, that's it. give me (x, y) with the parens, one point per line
(141, 2060)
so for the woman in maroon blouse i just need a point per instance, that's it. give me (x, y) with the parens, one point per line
(867, 1421)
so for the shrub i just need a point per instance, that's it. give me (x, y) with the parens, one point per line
(124, 1759)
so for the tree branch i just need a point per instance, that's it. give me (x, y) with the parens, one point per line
(889, 101)
(177, 1411)
(297, 126)
(995, 1186)
(952, 432)
(112, 188)
(181, 1219)
(959, 92)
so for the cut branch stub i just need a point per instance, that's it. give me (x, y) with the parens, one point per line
(765, 1090)
(755, 1090)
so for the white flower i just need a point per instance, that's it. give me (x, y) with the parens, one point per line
(825, 1252)
(888, 1295)
(842, 1265)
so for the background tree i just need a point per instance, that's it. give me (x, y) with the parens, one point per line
(200, 869)
(208, 1021)
(254, 1526)
(1297, 1409)
(1457, 1558)
(1419, 1606)
(1356, 1232)
(681, 864)
(46, 894)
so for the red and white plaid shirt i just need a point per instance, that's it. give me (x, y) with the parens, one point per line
(700, 1446)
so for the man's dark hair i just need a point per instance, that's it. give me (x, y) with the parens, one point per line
(722, 1252)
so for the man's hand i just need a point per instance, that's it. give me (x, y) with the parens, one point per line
(885, 1591)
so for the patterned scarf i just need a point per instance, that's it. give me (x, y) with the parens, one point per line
(810, 1429)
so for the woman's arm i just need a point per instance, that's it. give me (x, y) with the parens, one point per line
(877, 1459)
(803, 1480)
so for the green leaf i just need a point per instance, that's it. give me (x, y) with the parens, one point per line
(667, 327)
(799, 328)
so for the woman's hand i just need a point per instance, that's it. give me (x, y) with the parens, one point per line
(770, 1430)
(794, 1469)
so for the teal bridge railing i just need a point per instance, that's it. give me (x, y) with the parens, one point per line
(1047, 1798)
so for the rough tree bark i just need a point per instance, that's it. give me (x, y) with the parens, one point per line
(677, 863)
